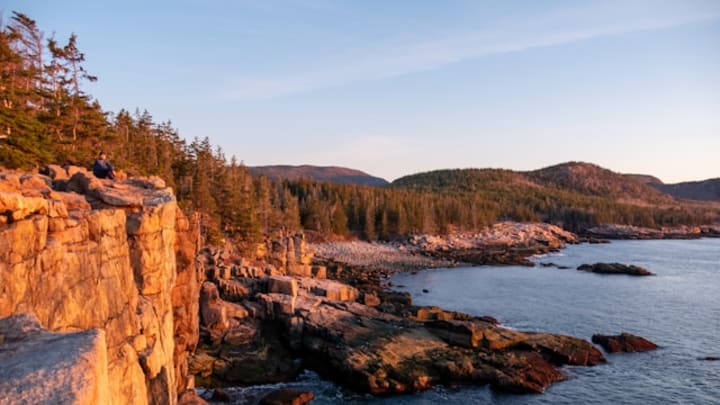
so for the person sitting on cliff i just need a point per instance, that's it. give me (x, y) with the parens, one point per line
(102, 169)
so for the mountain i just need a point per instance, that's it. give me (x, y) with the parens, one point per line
(706, 190)
(587, 178)
(332, 174)
(572, 178)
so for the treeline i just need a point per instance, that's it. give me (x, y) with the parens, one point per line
(46, 117)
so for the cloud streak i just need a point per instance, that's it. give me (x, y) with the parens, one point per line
(552, 29)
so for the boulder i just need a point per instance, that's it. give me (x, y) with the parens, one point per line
(233, 290)
(624, 342)
(561, 349)
(282, 285)
(277, 305)
(615, 268)
(475, 334)
(18, 207)
(213, 314)
(55, 172)
(329, 289)
(82, 181)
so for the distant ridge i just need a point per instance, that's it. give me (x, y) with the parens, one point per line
(706, 190)
(332, 174)
(703, 190)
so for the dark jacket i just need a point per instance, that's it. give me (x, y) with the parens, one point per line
(102, 169)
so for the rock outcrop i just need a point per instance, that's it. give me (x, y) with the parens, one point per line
(615, 268)
(624, 342)
(83, 253)
(383, 353)
(290, 323)
(501, 243)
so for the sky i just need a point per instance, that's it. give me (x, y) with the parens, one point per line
(398, 87)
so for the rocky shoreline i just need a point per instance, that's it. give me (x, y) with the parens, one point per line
(614, 231)
(505, 243)
(268, 322)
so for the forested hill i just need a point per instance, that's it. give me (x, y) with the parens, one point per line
(571, 178)
(47, 117)
(591, 179)
(332, 174)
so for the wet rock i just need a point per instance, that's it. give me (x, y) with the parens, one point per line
(218, 395)
(710, 358)
(250, 353)
(287, 396)
(381, 353)
(561, 349)
(190, 397)
(615, 268)
(624, 342)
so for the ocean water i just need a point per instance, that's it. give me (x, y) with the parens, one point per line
(679, 309)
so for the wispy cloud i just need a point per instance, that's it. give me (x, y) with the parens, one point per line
(380, 61)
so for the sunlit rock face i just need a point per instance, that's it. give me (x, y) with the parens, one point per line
(82, 253)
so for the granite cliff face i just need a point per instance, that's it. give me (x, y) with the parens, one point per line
(82, 253)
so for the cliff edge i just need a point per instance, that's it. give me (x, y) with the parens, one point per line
(82, 253)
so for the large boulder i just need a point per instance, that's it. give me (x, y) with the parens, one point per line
(624, 342)
(283, 285)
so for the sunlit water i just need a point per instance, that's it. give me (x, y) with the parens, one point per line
(679, 309)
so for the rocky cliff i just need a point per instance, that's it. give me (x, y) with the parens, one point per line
(82, 253)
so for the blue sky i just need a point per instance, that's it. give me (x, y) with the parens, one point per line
(397, 87)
